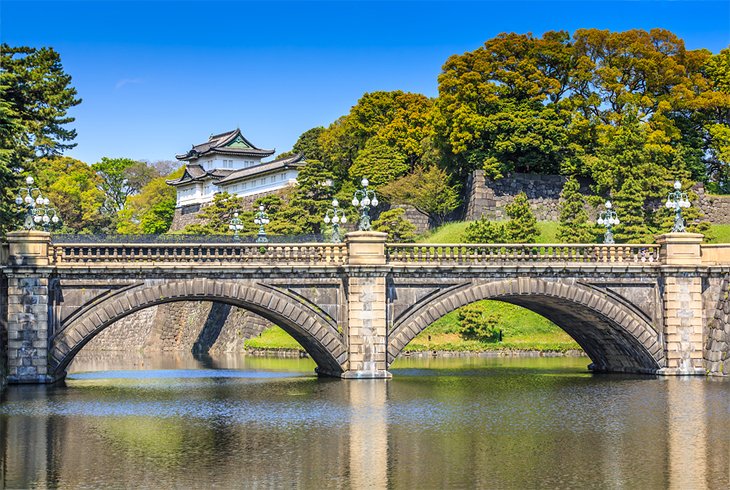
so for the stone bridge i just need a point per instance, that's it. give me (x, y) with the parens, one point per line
(657, 308)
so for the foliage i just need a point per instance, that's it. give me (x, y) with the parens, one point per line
(426, 189)
(215, 218)
(396, 225)
(308, 144)
(476, 324)
(311, 198)
(10, 131)
(74, 190)
(522, 225)
(121, 178)
(39, 94)
(484, 231)
(152, 210)
(379, 162)
(573, 221)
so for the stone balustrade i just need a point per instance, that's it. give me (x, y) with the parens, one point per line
(70, 254)
(476, 254)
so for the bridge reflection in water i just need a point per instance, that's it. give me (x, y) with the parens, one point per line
(519, 423)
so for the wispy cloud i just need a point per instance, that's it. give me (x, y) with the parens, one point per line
(127, 81)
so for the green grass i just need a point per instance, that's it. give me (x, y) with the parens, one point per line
(454, 233)
(273, 338)
(521, 329)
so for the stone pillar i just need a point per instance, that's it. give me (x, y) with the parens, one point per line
(683, 309)
(367, 334)
(28, 274)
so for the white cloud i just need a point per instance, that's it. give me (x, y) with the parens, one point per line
(127, 81)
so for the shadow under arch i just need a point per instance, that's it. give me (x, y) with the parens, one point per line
(614, 336)
(317, 333)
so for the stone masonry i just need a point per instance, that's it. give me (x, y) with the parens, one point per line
(354, 306)
(486, 197)
(718, 337)
(191, 326)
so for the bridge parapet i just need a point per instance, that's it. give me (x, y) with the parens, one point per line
(70, 254)
(716, 254)
(482, 254)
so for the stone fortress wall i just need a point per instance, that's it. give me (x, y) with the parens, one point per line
(199, 327)
(486, 197)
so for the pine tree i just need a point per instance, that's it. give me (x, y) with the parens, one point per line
(573, 224)
(396, 225)
(629, 206)
(484, 231)
(522, 225)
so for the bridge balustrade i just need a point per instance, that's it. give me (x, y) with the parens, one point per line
(475, 254)
(226, 253)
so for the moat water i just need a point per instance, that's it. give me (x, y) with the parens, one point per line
(171, 421)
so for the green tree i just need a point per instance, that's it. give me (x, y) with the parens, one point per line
(573, 226)
(10, 131)
(308, 144)
(121, 178)
(40, 94)
(379, 162)
(476, 324)
(215, 218)
(152, 210)
(311, 197)
(522, 225)
(74, 190)
(629, 203)
(426, 189)
(484, 231)
(396, 225)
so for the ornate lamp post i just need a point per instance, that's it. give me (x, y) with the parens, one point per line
(37, 210)
(364, 198)
(677, 200)
(236, 226)
(338, 216)
(261, 219)
(608, 218)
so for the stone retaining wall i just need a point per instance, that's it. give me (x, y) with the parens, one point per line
(718, 339)
(183, 326)
(486, 197)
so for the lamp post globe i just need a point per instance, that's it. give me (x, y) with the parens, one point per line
(338, 217)
(608, 218)
(364, 199)
(677, 200)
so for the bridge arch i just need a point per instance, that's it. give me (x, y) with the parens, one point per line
(614, 335)
(316, 332)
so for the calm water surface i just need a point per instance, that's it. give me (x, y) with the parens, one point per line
(174, 421)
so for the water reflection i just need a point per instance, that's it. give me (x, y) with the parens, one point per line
(235, 422)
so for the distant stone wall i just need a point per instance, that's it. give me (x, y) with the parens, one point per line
(416, 217)
(182, 326)
(488, 197)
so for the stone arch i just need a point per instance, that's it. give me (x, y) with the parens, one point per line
(317, 333)
(613, 334)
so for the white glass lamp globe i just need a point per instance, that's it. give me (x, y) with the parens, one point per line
(335, 203)
(29, 180)
(261, 208)
(343, 220)
(327, 219)
(37, 219)
(257, 221)
(616, 221)
(55, 219)
(366, 201)
(374, 201)
(600, 221)
(364, 182)
(235, 215)
(266, 221)
(669, 204)
(335, 219)
(677, 184)
(46, 201)
(355, 202)
(28, 200)
(18, 200)
(46, 219)
(609, 205)
(39, 200)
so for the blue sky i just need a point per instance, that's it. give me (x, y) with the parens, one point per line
(157, 76)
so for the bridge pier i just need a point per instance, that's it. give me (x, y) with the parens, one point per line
(683, 330)
(367, 333)
(28, 309)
